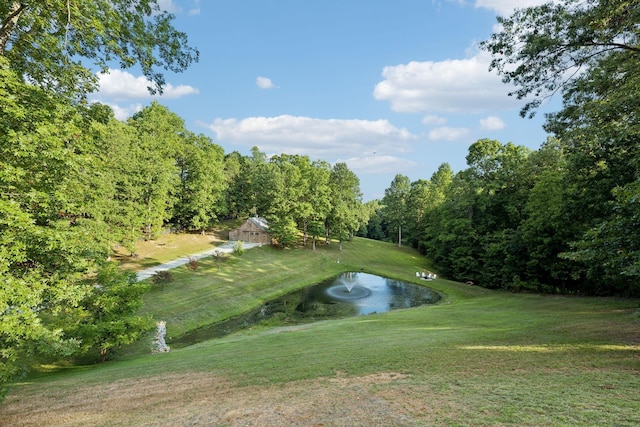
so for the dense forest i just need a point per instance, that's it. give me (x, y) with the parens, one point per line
(75, 182)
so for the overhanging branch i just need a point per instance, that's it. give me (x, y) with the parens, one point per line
(9, 23)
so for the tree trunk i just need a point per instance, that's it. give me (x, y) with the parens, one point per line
(9, 22)
(149, 223)
(399, 236)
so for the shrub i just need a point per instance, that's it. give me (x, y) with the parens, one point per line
(192, 264)
(238, 248)
(163, 276)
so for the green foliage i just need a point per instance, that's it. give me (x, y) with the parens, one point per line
(373, 229)
(49, 234)
(158, 140)
(538, 47)
(200, 190)
(46, 41)
(296, 195)
(106, 318)
(68, 173)
(238, 196)
(611, 251)
(312, 201)
(472, 229)
(264, 184)
(346, 215)
(283, 231)
(547, 229)
(315, 229)
(395, 203)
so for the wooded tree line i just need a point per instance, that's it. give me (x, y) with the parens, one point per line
(297, 196)
(565, 217)
(74, 181)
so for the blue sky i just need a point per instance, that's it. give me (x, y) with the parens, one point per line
(387, 86)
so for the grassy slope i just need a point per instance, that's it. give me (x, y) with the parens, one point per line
(481, 357)
(219, 290)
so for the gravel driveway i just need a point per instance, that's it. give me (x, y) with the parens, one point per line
(226, 248)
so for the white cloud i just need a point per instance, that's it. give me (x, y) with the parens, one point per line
(195, 9)
(123, 113)
(326, 139)
(264, 83)
(168, 6)
(433, 120)
(506, 7)
(375, 164)
(492, 123)
(449, 86)
(120, 85)
(448, 134)
(171, 7)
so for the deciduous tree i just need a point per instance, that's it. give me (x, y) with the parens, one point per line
(107, 318)
(54, 213)
(200, 192)
(51, 226)
(159, 135)
(540, 49)
(345, 216)
(47, 41)
(395, 203)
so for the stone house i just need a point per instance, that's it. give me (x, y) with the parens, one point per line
(253, 230)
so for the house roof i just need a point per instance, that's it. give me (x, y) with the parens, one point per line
(260, 222)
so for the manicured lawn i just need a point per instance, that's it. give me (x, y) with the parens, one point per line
(220, 289)
(480, 357)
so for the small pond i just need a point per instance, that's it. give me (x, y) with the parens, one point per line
(349, 294)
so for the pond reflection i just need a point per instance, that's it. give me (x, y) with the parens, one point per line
(367, 293)
(349, 294)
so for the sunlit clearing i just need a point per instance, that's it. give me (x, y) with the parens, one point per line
(546, 349)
